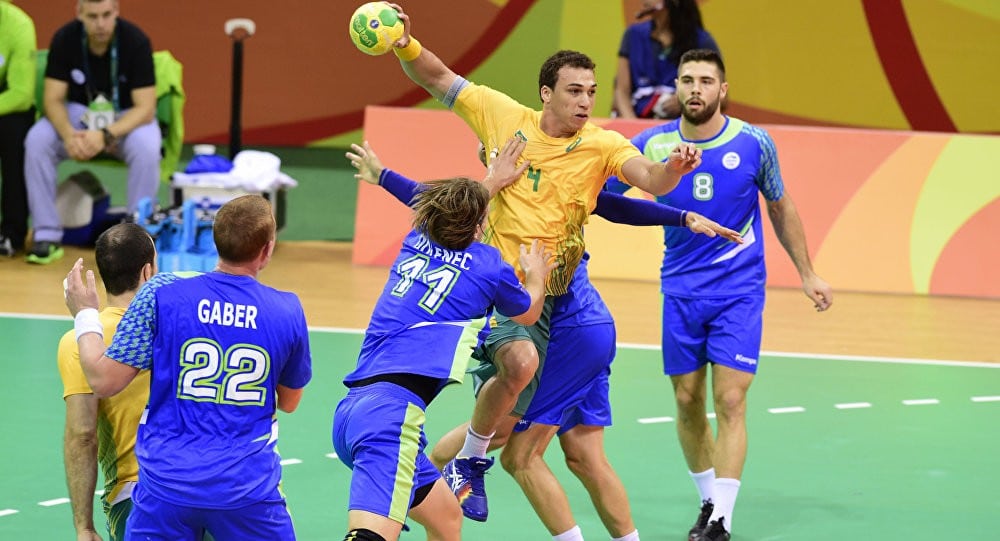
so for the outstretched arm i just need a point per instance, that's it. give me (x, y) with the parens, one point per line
(502, 171)
(419, 64)
(789, 230)
(371, 170)
(658, 178)
(632, 211)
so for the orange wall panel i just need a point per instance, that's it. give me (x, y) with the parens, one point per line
(856, 190)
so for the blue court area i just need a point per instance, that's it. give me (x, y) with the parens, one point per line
(839, 449)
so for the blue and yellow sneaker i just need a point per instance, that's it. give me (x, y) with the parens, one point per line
(45, 252)
(465, 477)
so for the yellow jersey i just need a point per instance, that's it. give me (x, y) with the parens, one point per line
(117, 417)
(556, 195)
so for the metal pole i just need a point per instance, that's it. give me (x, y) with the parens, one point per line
(238, 30)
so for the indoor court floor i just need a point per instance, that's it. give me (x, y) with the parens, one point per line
(843, 446)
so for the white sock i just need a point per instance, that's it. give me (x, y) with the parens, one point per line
(725, 499)
(572, 534)
(705, 481)
(634, 536)
(475, 444)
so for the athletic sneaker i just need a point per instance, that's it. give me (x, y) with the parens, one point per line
(716, 531)
(706, 513)
(465, 478)
(6, 247)
(44, 252)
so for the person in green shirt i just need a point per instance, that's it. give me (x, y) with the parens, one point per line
(17, 114)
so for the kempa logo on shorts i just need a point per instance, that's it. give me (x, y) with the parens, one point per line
(747, 360)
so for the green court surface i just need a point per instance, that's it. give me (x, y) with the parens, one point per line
(920, 461)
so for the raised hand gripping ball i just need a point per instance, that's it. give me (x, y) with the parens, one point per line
(375, 26)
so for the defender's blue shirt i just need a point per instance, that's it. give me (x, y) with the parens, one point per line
(218, 345)
(737, 163)
(434, 309)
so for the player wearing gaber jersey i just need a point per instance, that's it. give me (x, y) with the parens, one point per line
(225, 352)
(713, 291)
(566, 154)
(441, 290)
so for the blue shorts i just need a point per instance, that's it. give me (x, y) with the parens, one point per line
(724, 331)
(378, 431)
(153, 519)
(573, 386)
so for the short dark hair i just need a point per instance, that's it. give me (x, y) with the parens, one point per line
(450, 210)
(242, 228)
(121, 252)
(549, 73)
(705, 55)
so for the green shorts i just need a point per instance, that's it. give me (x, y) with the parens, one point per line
(506, 330)
(116, 515)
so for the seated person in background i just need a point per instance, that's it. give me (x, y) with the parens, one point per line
(648, 56)
(17, 91)
(100, 97)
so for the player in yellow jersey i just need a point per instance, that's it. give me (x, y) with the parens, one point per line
(569, 158)
(103, 430)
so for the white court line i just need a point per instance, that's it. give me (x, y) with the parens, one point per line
(57, 501)
(15, 315)
(331, 455)
(986, 398)
(5, 512)
(290, 461)
(855, 358)
(654, 347)
(792, 409)
(921, 402)
(853, 405)
(653, 420)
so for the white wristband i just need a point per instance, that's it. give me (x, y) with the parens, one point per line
(88, 321)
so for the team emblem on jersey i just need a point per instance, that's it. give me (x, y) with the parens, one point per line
(731, 160)
(78, 77)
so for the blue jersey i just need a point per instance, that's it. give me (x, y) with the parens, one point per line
(434, 309)
(737, 163)
(218, 345)
(581, 304)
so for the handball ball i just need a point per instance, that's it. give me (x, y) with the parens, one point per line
(375, 26)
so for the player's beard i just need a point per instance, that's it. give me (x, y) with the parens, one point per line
(703, 116)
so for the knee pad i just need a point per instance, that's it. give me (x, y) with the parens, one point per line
(363, 534)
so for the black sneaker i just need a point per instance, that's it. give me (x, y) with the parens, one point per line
(45, 252)
(706, 513)
(6, 247)
(716, 531)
